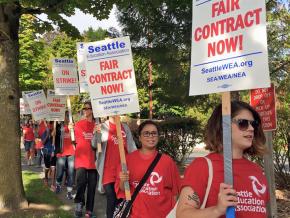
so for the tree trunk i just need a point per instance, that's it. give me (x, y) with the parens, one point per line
(11, 187)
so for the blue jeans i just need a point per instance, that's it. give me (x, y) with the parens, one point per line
(60, 167)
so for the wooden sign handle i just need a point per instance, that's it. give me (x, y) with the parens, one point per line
(72, 133)
(227, 145)
(99, 137)
(122, 155)
(54, 129)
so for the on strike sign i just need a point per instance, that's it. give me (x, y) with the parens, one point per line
(111, 77)
(263, 100)
(229, 46)
(65, 76)
(37, 104)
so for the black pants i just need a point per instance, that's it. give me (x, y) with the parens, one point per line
(86, 179)
(112, 200)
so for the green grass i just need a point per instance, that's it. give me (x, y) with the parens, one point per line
(37, 193)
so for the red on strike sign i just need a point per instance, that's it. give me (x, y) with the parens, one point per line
(263, 101)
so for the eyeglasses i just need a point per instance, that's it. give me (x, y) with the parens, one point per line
(87, 108)
(147, 134)
(243, 124)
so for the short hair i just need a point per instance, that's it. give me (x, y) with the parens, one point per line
(147, 122)
(214, 131)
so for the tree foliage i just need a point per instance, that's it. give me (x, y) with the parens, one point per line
(11, 187)
(33, 65)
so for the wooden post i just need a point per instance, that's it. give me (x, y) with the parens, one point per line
(99, 137)
(72, 133)
(227, 145)
(269, 171)
(54, 129)
(122, 155)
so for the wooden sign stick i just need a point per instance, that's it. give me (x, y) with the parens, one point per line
(227, 145)
(54, 129)
(122, 155)
(72, 133)
(99, 137)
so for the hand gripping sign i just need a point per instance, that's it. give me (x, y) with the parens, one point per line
(228, 53)
(112, 85)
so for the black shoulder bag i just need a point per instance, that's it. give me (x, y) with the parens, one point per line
(124, 208)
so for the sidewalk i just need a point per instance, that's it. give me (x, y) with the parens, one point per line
(100, 200)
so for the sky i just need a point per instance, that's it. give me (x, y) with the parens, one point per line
(83, 21)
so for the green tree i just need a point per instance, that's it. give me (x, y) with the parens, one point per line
(11, 187)
(164, 37)
(33, 69)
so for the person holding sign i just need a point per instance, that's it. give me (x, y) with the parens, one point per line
(28, 137)
(109, 159)
(86, 174)
(158, 195)
(45, 133)
(250, 194)
(65, 156)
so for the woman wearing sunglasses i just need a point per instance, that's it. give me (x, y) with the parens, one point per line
(249, 194)
(158, 195)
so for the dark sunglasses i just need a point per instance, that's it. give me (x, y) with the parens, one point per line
(243, 124)
(87, 108)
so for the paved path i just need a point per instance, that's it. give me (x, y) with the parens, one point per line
(100, 200)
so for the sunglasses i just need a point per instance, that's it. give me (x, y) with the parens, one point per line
(87, 108)
(243, 124)
(147, 134)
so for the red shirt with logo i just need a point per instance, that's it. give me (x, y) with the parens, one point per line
(67, 149)
(249, 182)
(84, 154)
(28, 133)
(157, 196)
(112, 159)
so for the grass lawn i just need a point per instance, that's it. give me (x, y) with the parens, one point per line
(42, 202)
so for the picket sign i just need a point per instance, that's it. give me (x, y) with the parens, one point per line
(112, 84)
(122, 155)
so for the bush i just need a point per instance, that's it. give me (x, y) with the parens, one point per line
(281, 145)
(178, 137)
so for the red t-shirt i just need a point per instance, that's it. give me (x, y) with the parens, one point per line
(67, 149)
(157, 196)
(249, 182)
(41, 128)
(112, 159)
(28, 133)
(84, 154)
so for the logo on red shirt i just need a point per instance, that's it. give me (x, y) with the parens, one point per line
(155, 178)
(258, 188)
